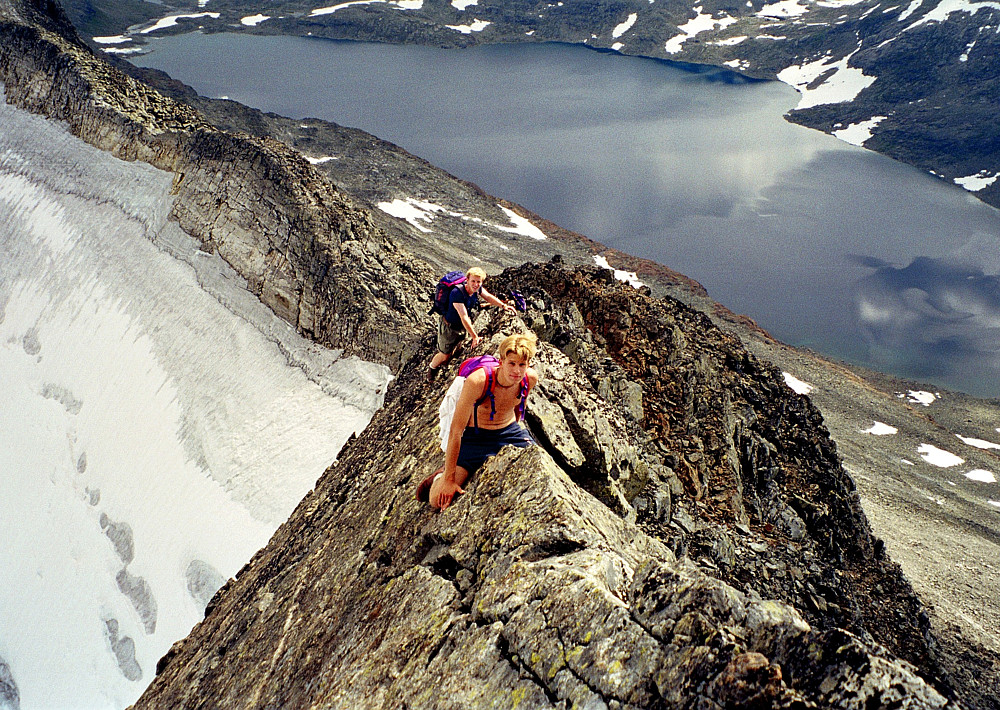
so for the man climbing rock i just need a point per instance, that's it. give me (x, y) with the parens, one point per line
(488, 416)
(456, 320)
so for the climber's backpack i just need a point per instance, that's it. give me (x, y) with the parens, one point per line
(443, 290)
(489, 363)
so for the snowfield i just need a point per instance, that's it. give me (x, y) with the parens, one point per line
(159, 423)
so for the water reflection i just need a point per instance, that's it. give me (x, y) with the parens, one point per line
(934, 317)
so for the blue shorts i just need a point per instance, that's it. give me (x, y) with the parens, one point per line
(479, 444)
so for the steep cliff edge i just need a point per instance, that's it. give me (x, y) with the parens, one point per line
(532, 592)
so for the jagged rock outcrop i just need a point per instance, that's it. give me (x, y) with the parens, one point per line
(532, 592)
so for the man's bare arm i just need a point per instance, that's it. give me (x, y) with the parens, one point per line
(493, 300)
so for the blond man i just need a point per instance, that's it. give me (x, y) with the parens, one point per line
(488, 416)
(456, 321)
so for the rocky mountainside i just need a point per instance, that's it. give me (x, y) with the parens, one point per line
(686, 525)
(532, 591)
(914, 80)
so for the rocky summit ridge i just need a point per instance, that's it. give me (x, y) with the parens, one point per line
(565, 577)
(684, 535)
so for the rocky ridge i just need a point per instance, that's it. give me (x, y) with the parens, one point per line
(530, 591)
(720, 471)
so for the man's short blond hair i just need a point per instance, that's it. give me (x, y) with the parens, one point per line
(475, 271)
(522, 345)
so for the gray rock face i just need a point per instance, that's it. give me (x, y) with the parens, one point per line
(140, 594)
(307, 251)
(529, 591)
(123, 648)
(121, 537)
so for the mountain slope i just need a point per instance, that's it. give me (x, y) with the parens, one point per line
(650, 411)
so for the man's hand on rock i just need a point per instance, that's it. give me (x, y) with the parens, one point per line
(445, 495)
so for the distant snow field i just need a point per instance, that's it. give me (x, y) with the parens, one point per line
(858, 133)
(158, 423)
(880, 429)
(978, 443)
(475, 26)
(254, 20)
(420, 213)
(702, 22)
(938, 457)
(625, 26)
(401, 4)
(783, 9)
(843, 85)
(171, 20)
(977, 182)
(981, 475)
(629, 277)
(918, 397)
(797, 385)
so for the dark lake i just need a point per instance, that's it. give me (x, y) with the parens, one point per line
(824, 244)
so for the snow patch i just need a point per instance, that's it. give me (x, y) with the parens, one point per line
(918, 397)
(171, 20)
(947, 7)
(401, 4)
(783, 9)
(324, 159)
(840, 83)
(117, 39)
(702, 22)
(797, 385)
(476, 26)
(979, 181)
(880, 429)
(978, 443)
(413, 211)
(121, 50)
(521, 225)
(858, 133)
(729, 42)
(911, 8)
(938, 457)
(462, 4)
(994, 503)
(628, 277)
(254, 20)
(981, 475)
(624, 27)
(419, 212)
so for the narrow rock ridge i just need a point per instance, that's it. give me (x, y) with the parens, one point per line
(305, 248)
(532, 592)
